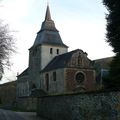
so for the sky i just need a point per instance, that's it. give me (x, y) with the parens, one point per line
(81, 24)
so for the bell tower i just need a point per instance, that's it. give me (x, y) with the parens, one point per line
(47, 45)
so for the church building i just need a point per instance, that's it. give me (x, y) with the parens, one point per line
(52, 69)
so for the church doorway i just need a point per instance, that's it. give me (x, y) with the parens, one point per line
(47, 81)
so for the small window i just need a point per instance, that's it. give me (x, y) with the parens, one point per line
(51, 50)
(57, 51)
(54, 76)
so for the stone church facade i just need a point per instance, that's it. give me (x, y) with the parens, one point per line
(52, 69)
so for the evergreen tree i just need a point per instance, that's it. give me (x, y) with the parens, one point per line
(113, 38)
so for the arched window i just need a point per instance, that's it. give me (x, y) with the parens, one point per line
(47, 81)
(80, 77)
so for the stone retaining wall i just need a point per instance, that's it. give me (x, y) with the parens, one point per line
(87, 106)
(27, 103)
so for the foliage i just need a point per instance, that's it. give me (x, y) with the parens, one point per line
(113, 24)
(113, 80)
(6, 47)
(113, 38)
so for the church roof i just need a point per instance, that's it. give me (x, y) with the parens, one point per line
(48, 33)
(103, 63)
(60, 61)
(48, 15)
(24, 73)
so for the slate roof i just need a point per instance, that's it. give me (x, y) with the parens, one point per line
(25, 72)
(12, 83)
(38, 93)
(59, 61)
(48, 15)
(103, 63)
(49, 38)
(48, 33)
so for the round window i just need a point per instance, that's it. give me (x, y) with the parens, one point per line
(80, 77)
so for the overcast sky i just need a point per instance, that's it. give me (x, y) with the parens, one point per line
(81, 24)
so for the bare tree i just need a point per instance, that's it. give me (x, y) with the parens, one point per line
(6, 47)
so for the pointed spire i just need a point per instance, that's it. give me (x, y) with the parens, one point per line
(48, 15)
(48, 33)
(48, 23)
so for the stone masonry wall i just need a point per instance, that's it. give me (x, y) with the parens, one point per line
(8, 94)
(27, 103)
(82, 106)
(88, 83)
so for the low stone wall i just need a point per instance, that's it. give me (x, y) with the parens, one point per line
(27, 103)
(87, 106)
(8, 94)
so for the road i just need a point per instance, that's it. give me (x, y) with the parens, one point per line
(10, 115)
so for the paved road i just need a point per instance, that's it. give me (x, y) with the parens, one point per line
(10, 115)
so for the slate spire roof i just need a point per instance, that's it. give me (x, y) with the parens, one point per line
(48, 15)
(48, 23)
(48, 33)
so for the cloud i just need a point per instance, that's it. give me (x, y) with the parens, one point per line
(14, 10)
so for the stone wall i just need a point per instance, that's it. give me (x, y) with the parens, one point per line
(71, 83)
(27, 103)
(46, 57)
(22, 86)
(82, 106)
(56, 86)
(8, 94)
